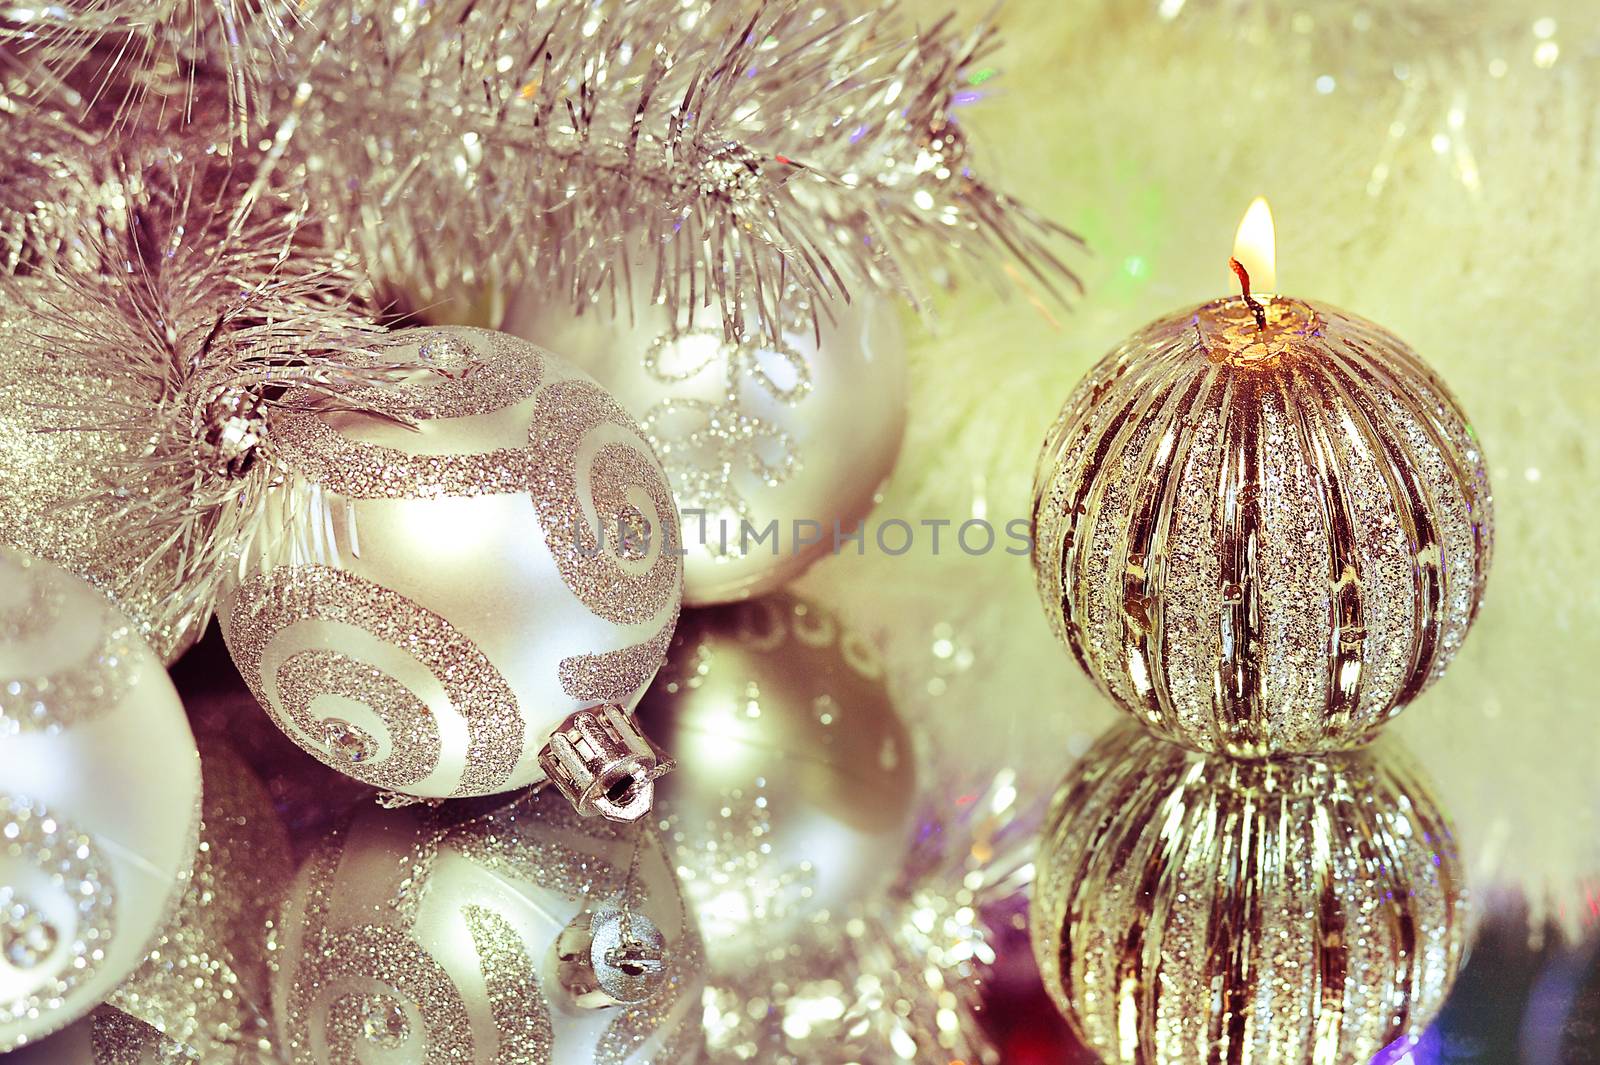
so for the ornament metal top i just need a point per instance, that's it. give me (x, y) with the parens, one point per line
(1263, 525)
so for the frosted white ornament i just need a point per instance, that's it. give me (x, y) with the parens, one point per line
(771, 450)
(452, 574)
(99, 798)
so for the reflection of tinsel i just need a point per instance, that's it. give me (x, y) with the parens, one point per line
(900, 978)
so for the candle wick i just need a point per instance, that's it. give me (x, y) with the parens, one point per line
(1250, 301)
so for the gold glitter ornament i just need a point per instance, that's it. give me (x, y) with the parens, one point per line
(99, 798)
(1197, 908)
(797, 779)
(450, 575)
(110, 1037)
(775, 451)
(204, 983)
(1262, 540)
(433, 936)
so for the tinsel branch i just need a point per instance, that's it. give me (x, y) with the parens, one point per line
(753, 148)
(129, 56)
(191, 306)
(748, 146)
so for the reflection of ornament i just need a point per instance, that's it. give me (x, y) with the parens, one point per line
(450, 577)
(204, 983)
(612, 958)
(797, 776)
(1262, 541)
(99, 793)
(894, 977)
(751, 436)
(435, 936)
(108, 1037)
(1193, 908)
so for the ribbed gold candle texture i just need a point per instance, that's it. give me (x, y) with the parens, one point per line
(1262, 541)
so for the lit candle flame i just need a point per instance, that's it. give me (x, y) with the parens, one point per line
(1255, 246)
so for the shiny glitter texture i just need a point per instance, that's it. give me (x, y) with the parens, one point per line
(45, 474)
(204, 982)
(411, 728)
(565, 415)
(616, 675)
(526, 1034)
(422, 937)
(118, 1039)
(139, 338)
(1193, 908)
(267, 606)
(468, 372)
(498, 532)
(57, 911)
(1262, 542)
(110, 1037)
(750, 431)
(99, 799)
(34, 609)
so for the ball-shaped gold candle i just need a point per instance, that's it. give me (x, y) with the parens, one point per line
(1262, 526)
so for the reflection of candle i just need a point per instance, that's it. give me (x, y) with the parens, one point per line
(1306, 910)
(1263, 524)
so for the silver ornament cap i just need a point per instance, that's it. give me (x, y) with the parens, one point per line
(612, 958)
(604, 766)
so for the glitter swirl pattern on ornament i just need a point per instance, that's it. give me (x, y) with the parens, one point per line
(1195, 908)
(621, 583)
(57, 909)
(99, 798)
(1261, 546)
(267, 612)
(32, 607)
(761, 439)
(479, 548)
